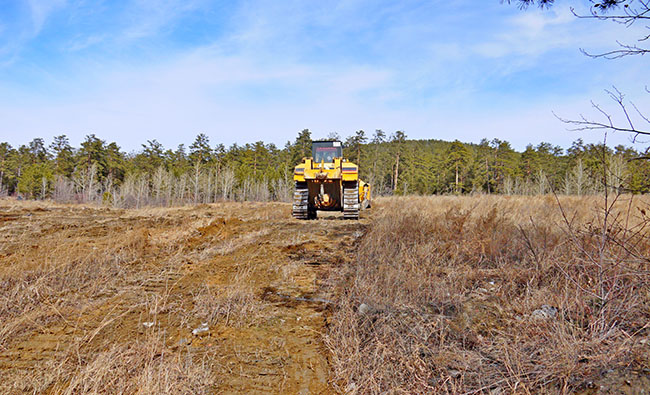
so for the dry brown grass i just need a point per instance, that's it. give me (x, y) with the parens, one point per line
(73, 281)
(451, 283)
(104, 300)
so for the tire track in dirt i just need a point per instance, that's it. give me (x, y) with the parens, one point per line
(283, 352)
(249, 271)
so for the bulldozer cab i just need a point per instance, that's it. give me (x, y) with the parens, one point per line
(326, 151)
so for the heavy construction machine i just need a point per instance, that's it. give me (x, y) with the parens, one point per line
(327, 182)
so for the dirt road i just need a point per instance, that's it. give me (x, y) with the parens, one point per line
(223, 298)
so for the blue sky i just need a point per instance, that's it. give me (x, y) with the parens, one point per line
(243, 71)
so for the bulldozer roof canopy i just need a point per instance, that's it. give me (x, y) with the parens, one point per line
(326, 151)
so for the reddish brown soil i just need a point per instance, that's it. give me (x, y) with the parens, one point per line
(87, 291)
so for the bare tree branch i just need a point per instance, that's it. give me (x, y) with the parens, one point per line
(638, 11)
(626, 12)
(633, 10)
(523, 4)
(586, 124)
(626, 50)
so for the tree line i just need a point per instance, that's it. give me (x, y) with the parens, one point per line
(102, 172)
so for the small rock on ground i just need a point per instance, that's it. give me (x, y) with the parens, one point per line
(203, 328)
(545, 312)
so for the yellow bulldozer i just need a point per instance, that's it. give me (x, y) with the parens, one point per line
(328, 182)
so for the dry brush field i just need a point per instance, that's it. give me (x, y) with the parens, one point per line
(480, 294)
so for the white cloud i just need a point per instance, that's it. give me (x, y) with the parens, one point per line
(201, 91)
(149, 17)
(534, 24)
(529, 33)
(40, 11)
(207, 92)
(16, 34)
(533, 33)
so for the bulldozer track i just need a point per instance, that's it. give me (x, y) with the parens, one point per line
(301, 201)
(351, 203)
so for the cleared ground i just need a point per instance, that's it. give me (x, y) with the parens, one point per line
(468, 294)
(96, 299)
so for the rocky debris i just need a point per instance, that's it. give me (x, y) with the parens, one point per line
(365, 309)
(351, 388)
(545, 312)
(201, 329)
(496, 391)
(446, 308)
